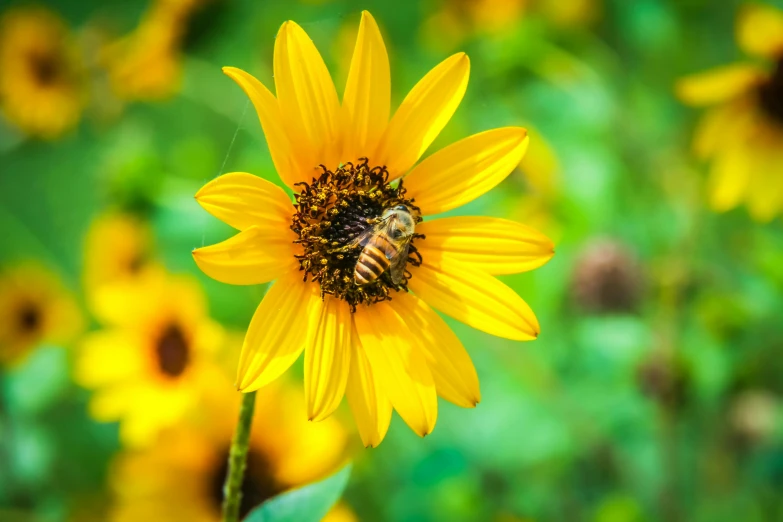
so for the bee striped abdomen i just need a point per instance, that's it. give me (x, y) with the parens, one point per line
(372, 262)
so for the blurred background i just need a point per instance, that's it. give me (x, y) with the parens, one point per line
(653, 392)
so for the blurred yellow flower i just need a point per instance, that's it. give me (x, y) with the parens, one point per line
(147, 64)
(41, 87)
(369, 332)
(181, 477)
(456, 20)
(116, 250)
(742, 136)
(34, 309)
(148, 366)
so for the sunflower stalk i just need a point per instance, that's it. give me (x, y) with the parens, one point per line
(237, 460)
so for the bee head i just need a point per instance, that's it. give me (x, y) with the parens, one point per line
(402, 222)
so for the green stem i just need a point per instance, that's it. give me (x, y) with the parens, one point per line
(237, 460)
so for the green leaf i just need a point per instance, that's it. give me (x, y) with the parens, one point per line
(308, 503)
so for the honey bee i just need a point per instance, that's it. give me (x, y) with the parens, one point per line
(385, 246)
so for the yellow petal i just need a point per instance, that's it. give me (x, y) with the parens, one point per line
(452, 370)
(242, 200)
(307, 98)
(760, 30)
(254, 256)
(717, 85)
(765, 193)
(729, 175)
(370, 406)
(466, 169)
(714, 129)
(110, 356)
(400, 368)
(496, 246)
(423, 114)
(327, 359)
(367, 93)
(278, 331)
(472, 296)
(272, 122)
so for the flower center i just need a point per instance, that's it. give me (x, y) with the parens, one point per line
(258, 485)
(353, 242)
(771, 94)
(46, 68)
(172, 351)
(28, 318)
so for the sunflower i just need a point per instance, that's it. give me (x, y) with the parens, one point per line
(41, 84)
(147, 63)
(148, 366)
(34, 309)
(747, 162)
(380, 342)
(116, 250)
(181, 477)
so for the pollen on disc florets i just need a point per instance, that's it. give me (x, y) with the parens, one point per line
(335, 208)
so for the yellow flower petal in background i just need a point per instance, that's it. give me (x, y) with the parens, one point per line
(109, 355)
(729, 174)
(717, 128)
(254, 256)
(765, 190)
(473, 297)
(327, 359)
(400, 368)
(760, 30)
(369, 404)
(242, 200)
(496, 246)
(278, 331)
(117, 247)
(367, 93)
(465, 170)
(109, 404)
(719, 84)
(453, 371)
(272, 123)
(308, 99)
(423, 114)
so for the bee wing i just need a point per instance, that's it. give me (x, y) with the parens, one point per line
(398, 262)
(367, 234)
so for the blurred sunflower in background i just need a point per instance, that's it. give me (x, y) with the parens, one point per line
(153, 360)
(41, 88)
(457, 20)
(363, 333)
(117, 248)
(742, 136)
(181, 477)
(147, 63)
(34, 309)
